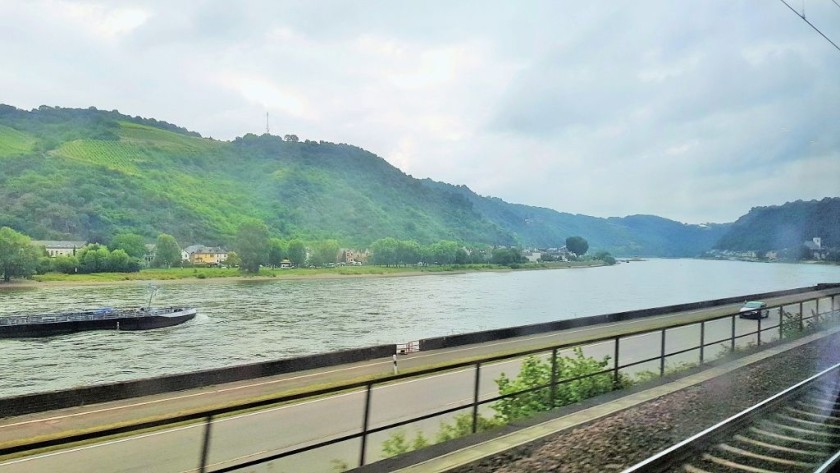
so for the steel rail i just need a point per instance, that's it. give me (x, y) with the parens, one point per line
(677, 454)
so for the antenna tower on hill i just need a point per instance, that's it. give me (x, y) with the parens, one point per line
(267, 132)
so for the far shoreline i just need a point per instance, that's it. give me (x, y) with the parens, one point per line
(277, 275)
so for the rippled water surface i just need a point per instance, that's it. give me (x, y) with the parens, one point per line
(249, 321)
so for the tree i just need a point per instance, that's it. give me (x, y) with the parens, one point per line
(233, 260)
(120, 262)
(252, 242)
(325, 252)
(65, 264)
(297, 253)
(385, 251)
(479, 255)
(276, 252)
(134, 245)
(461, 256)
(93, 258)
(167, 251)
(577, 245)
(407, 252)
(506, 256)
(18, 258)
(443, 252)
(605, 256)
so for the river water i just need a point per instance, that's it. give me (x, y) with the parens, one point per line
(247, 321)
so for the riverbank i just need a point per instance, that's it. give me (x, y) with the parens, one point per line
(208, 275)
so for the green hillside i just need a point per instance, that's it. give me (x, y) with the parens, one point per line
(89, 174)
(785, 226)
(14, 142)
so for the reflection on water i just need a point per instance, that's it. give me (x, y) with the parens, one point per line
(248, 321)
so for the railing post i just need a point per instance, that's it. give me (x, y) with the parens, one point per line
(781, 322)
(801, 318)
(759, 328)
(615, 362)
(365, 424)
(732, 344)
(662, 355)
(817, 314)
(553, 377)
(475, 397)
(205, 448)
(702, 339)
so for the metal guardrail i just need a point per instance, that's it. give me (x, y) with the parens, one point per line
(795, 322)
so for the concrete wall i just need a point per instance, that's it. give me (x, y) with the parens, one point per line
(523, 330)
(29, 403)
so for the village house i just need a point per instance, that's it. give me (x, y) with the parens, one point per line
(60, 248)
(349, 256)
(815, 248)
(200, 254)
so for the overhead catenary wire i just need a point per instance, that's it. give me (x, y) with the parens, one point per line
(811, 24)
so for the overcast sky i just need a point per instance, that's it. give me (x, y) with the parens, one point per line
(691, 110)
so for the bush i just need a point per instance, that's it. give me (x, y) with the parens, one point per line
(531, 392)
(534, 376)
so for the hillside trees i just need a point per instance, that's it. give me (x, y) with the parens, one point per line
(18, 258)
(252, 245)
(786, 226)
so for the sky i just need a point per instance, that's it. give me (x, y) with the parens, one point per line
(695, 111)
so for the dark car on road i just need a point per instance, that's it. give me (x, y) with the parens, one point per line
(753, 310)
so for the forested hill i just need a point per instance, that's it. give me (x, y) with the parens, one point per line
(785, 226)
(634, 235)
(89, 174)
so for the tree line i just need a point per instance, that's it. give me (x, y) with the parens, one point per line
(254, 247)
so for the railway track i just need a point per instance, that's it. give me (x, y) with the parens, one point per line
(797, 430)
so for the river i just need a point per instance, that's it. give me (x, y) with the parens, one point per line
(247, 321)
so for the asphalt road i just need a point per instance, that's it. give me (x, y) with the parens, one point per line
(239, 438)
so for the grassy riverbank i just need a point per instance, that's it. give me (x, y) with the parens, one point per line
(200, 274)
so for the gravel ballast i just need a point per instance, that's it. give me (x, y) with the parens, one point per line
(621, 440)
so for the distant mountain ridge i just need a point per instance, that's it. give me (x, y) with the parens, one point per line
(786, 226)
(646, 235)
(85, 173)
